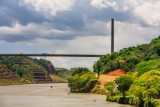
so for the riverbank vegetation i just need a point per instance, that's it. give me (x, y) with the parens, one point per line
(141, 84)
(82, 80)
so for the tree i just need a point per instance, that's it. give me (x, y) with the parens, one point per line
(124, 84)
(79, 70)
(110, 86)
(137, 91)
(150, 93)
(84, 82)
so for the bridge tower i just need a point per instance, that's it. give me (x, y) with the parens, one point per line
(112, 36)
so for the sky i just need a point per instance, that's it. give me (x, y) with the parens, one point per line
(76, 26)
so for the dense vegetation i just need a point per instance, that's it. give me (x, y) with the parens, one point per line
(127, 58)
(79, 70)
(82, 80)
(141, 85)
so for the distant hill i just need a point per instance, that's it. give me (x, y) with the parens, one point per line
(28, 69)
(63, 72)
(127, 58)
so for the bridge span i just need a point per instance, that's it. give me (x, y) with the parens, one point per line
(54, 55)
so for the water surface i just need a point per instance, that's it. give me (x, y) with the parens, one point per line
(41, 95)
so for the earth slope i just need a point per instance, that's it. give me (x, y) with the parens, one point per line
(111, 76)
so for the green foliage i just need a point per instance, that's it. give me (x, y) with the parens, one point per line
(124, 84)
(63, 72)
(123, 100)
(146, 88)
(110, 86)
(79, 70)
(147, 66)
(142, 88)
(149, 79)
(97, 90)
(127, 58)
(137, 91)
(82, 82)
(150, 93)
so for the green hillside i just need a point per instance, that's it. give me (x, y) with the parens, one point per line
(63, 72)
(141, 85)
(127, 58)
(28, 69)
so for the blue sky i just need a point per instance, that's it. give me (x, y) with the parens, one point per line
(75, 26)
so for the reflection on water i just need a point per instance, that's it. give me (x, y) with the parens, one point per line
(43, 95)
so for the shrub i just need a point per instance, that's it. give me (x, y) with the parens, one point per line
(82, 82)
(146, 66)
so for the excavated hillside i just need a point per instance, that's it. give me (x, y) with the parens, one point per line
(7, 77)
(27, 69)
(7, 74)
(111, 76)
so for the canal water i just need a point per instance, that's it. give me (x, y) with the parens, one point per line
(43, 95)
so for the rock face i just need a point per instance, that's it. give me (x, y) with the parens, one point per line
(51, 69)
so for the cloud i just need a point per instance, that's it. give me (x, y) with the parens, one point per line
(19, 32)
(137, 11)
(127, 34)
(75, 26)
(72, 62)
(50, 7)
(148, 12)
(103, 3)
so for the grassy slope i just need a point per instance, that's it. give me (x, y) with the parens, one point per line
(63, 72)
(11, 82)
(58, 79)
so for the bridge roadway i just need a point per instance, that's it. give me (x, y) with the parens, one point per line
(54, 55)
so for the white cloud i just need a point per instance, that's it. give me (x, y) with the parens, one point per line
(97, 28)
(80, 45)
(93, 38)
(127, 34)
(103, 3)
(48, 6)
(138, 10)
(148, 12)
(32, 30)
(72, 62)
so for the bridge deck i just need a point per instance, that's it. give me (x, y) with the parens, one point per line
(54, 55)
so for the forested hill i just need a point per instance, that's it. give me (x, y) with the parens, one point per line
(127, 58)
(27, 69)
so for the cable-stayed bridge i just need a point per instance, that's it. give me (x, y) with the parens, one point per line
(54, 55)
(67, 55)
